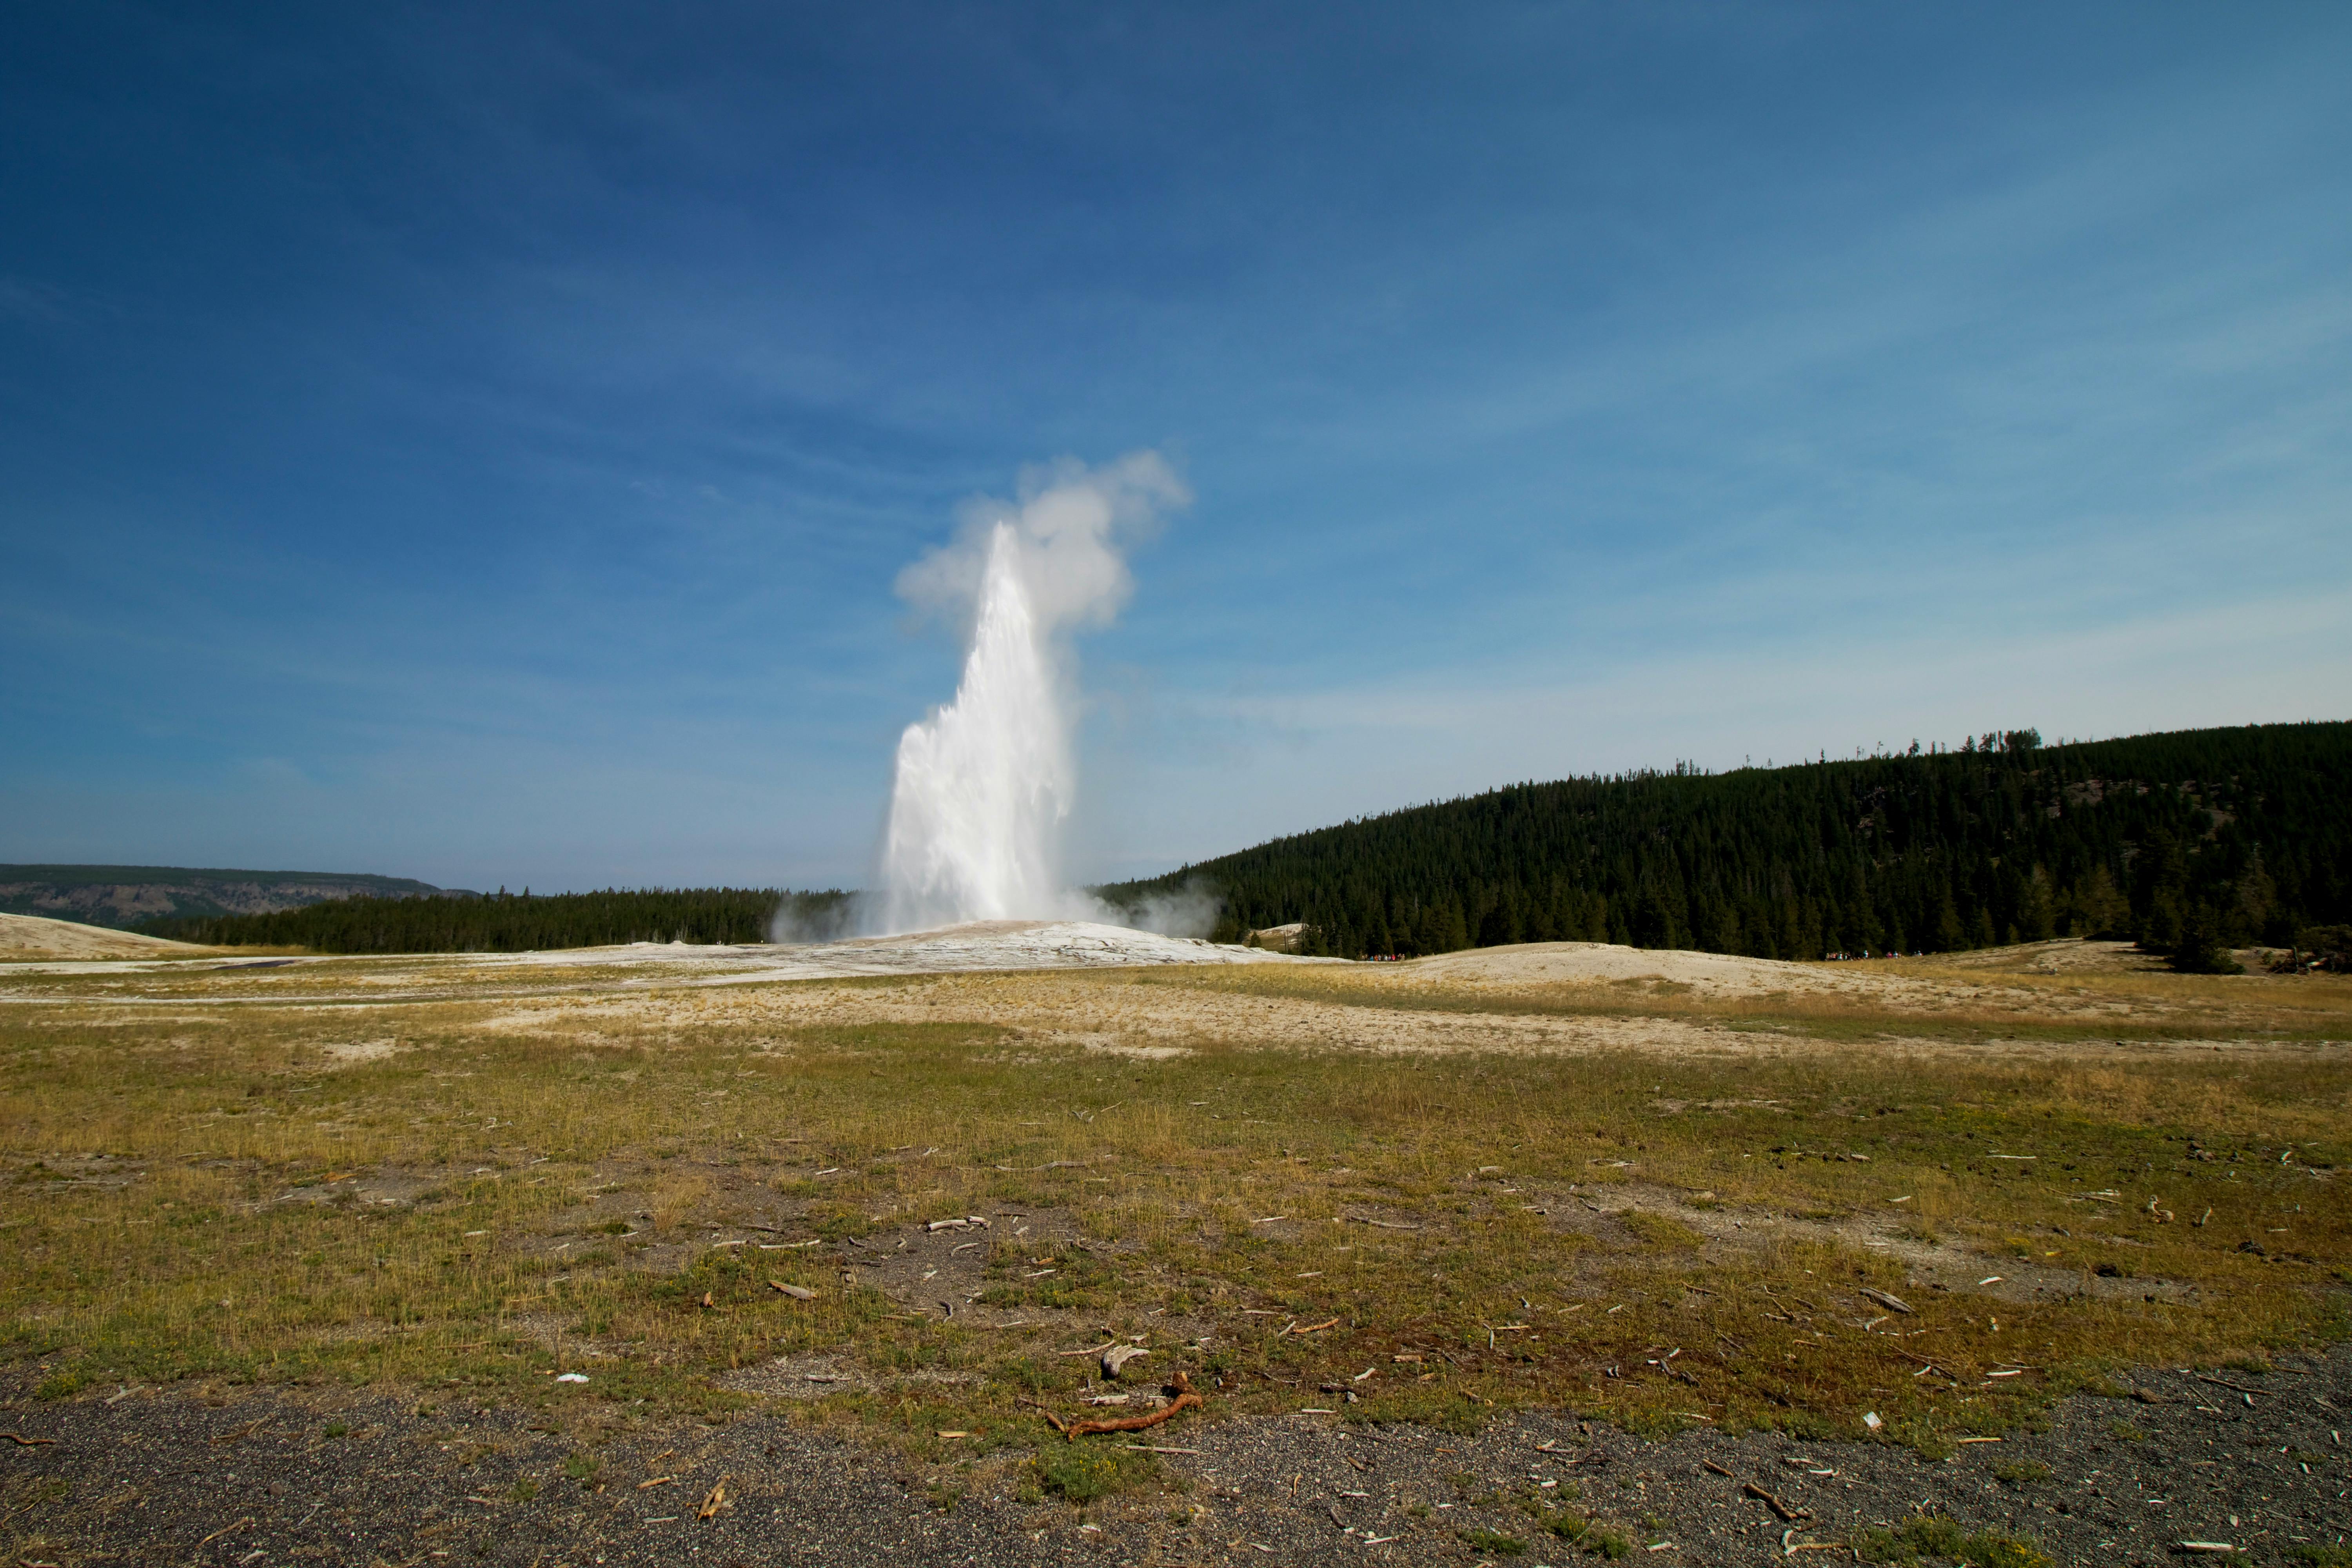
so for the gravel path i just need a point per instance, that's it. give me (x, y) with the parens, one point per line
(2253, 1460)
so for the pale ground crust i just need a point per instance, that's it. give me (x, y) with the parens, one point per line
(1547, 997)
(34, 936)
(1005, 945)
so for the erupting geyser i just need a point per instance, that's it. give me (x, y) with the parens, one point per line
(985, 783)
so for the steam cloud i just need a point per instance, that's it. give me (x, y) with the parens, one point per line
(984, 785)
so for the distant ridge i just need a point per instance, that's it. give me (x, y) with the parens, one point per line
(122, 896)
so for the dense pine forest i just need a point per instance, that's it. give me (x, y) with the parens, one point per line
(513, 923)
(2190, 842)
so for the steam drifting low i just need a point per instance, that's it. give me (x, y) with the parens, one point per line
(985, 784)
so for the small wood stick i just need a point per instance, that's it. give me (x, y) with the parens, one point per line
(1187, 1398)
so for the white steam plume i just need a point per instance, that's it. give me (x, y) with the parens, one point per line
(985, 783)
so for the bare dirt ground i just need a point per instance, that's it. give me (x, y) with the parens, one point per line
(2251, 1461)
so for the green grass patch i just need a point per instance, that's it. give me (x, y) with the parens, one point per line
(1933, 1538)
(1081, 1473)
(1492, 1540)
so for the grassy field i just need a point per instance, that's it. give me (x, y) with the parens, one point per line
(1395, 1196)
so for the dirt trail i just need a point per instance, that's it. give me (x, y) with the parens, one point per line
(2249, 1459)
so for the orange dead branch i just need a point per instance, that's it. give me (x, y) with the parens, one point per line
(1187, 1398)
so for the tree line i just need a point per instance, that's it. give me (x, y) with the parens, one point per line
(2190, 842)
(514, 922)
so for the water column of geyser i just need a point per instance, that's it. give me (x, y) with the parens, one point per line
(985, 784)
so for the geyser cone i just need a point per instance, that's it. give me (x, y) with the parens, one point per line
(984, 784)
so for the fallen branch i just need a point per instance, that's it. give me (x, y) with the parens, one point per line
(2232, 1387)
(1789, 1548)
(1186, 1398)
(1591, 1456)
(1787, 1515)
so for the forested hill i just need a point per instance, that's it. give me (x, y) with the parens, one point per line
(125, 895)
(516, 923)
(2195, 836)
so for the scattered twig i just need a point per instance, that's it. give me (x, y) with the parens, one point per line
(1791, 1548)
(1719, 1470)
(711, 1504)
(1187, 1398)
(1884, 1298)
(1787, 1515)
(2232, 1387)
(797, 1293)
(1590, 1457)
(1312, 1328)
(24, 1442)
(224, 1529)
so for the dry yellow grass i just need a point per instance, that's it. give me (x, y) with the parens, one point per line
(1629, 1197)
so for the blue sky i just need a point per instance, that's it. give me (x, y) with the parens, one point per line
(477, 443)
